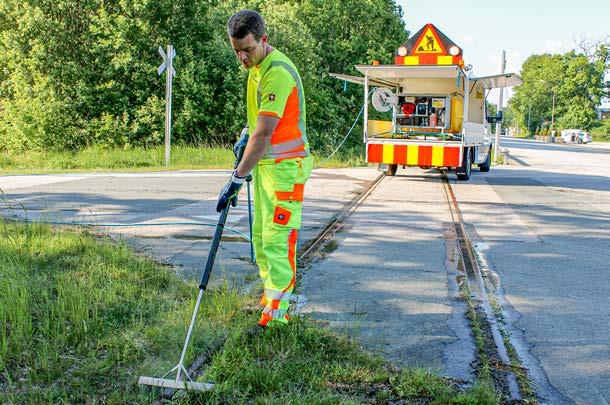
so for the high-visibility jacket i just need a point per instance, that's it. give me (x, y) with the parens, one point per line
(275, 88)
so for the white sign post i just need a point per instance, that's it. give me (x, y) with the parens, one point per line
(171, 73)
(498, 124)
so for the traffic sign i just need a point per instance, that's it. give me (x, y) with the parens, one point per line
(163, 65)
(167, 66)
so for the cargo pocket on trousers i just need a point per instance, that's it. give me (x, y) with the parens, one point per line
(281, 216)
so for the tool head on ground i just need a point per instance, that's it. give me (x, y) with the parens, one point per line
(180, 385)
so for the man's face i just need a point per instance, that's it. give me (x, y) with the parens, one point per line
(249, 51)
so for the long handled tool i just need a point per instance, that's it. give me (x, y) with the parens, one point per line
(187, 382)
(252, 258)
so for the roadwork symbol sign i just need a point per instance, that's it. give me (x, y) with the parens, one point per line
(428, 43)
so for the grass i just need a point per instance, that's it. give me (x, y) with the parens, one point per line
(81, 318)
(142, 159)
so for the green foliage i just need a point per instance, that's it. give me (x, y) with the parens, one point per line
(574, 80)
(602, 131)
(83, 73)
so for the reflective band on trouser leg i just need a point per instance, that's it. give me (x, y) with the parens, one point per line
(281, 253)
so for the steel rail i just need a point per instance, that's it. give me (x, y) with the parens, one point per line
(477, 287)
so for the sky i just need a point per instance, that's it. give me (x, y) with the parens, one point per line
(520, 27)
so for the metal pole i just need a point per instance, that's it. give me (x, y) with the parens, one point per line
(168, 104)
(498, 124)
(529, 116)
(553, 114)
(252, 259)
(366, 106)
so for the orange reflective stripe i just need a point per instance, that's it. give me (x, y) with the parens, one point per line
(288, 140)
(295, 195)
(288, 127)
(292, 244)
(268, 113)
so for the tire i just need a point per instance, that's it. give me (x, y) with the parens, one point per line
(485, 166)
(463, 173)
(391, 170)
(579, 140)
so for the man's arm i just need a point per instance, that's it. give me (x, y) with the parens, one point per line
(257, 144)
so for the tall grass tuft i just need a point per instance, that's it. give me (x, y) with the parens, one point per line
(133, 159)
(146, 159)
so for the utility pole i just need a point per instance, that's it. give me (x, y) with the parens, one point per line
(498, 124)
(169, 75)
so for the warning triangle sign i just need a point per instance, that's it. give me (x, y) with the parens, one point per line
(429, 43)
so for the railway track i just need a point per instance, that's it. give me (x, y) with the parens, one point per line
(479, 296)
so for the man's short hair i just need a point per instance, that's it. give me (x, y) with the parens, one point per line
(246, 22)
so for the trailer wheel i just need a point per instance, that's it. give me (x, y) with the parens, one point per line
(485, 166)
(391, 170)
(463, 173)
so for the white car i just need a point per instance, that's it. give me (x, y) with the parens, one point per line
(575, 136)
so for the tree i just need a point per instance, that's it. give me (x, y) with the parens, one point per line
(573, 79)
(83, 72)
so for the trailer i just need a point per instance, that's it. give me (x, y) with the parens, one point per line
(430, 111)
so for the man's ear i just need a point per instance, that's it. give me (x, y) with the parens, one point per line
(264, 39)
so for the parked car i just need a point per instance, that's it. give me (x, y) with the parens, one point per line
(575, 136)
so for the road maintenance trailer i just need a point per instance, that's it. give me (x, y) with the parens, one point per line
(437, 107)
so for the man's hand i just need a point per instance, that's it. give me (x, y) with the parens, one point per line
(229, 192)
(241, 143)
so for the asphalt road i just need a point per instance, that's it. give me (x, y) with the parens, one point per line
(546, 220)
(170, 197)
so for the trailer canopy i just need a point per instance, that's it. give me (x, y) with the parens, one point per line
(495, 81)
(389, 72)
(360, 80)
(388, 75)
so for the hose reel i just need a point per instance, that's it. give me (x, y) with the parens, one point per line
(383, 99)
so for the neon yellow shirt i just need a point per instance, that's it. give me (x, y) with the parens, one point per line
(275, 88)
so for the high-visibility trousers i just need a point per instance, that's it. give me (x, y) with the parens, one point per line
(278, 196)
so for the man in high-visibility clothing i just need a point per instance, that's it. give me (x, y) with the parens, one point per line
(277, 154)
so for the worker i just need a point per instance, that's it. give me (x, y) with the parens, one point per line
(277, 154)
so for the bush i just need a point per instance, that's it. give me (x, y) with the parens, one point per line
(601, 131)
